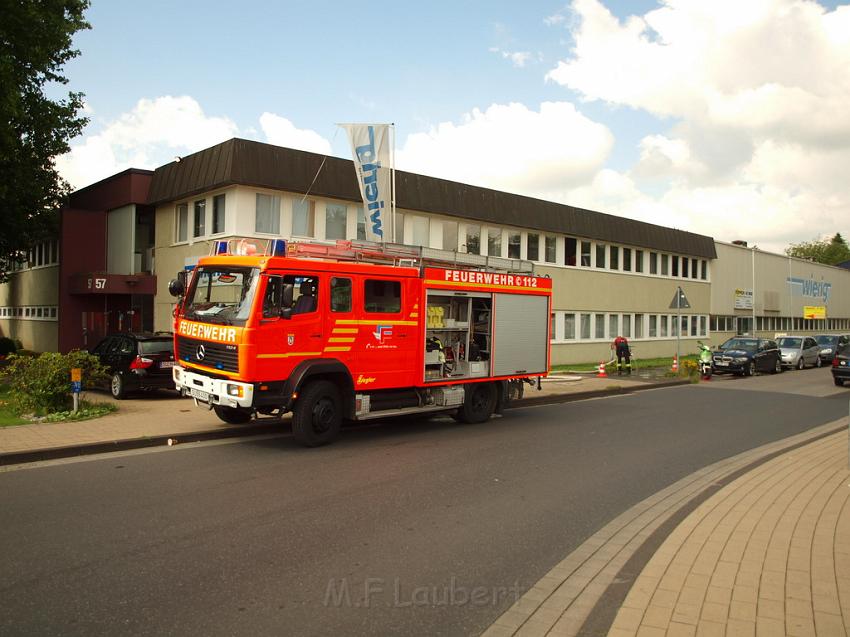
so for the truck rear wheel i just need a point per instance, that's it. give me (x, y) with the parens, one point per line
(317, 415)
(478, 404)
(232, 415)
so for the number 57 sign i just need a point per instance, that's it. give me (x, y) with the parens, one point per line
(97, 284)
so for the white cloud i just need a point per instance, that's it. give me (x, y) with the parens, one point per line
(757, 95)
(152, 133)
(156, 130)
(510, 147)
(282, 132)
(518, 58)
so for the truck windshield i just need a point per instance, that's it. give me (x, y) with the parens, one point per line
(222, 295)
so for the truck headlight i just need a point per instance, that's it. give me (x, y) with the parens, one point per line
(234, 390)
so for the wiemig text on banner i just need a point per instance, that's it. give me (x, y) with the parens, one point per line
(371, 150)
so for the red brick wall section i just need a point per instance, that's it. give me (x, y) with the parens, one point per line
(82, 248)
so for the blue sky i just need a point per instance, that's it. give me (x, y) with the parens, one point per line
(684, 113)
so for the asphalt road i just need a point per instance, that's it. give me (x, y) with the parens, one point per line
(420, 528)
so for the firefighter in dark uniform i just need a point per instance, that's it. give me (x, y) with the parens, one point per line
(624, 355)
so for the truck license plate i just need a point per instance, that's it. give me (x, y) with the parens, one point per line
(200, 395)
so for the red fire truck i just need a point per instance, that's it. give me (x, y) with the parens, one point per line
(353, 331)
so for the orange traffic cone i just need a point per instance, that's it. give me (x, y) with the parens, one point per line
(600, 373)
(675, 364)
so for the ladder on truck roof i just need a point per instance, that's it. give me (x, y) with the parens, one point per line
(403, 255)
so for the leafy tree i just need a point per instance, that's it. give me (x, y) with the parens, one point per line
(35, 43)
(829, 251)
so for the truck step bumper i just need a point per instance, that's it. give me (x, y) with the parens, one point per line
(213, 391)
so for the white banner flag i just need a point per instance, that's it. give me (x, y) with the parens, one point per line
(370, 148)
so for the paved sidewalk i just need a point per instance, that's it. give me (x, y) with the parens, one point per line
(769, 554)
(157, 417)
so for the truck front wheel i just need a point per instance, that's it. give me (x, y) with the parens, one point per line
(232, 415)
(317, 415)
(478, 404)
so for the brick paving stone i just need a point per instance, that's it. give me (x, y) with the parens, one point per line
(736, 565)
(760, 554)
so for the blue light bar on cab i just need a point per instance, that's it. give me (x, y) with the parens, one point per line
(278, 248)
(220, 247)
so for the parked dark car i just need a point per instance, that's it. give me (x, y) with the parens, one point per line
(137, 361)
(841, 365)
(745, 356)
(829, 343)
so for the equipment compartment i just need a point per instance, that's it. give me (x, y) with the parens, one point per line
(457, 335)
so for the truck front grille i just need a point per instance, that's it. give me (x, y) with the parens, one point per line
(213, 355)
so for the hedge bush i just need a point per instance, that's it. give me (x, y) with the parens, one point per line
(42, 384)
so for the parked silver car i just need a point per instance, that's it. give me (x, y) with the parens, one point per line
(799, 351)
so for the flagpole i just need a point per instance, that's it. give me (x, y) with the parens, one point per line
(392, 187)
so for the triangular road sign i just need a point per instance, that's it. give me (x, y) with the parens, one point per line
(680, 301)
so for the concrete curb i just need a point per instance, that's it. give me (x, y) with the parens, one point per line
(70, 451)
(255, 429)
(554, 399)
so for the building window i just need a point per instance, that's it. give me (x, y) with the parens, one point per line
(674, 265)
(665, 259)
(382, 296)
(569, 326)
(450, 235)
(303, 217)
(552, 326)
(613, 325)
(685, 266)
(704, 272)
(627, 325)
(702, 322)
(182, 222)
(218, 214)
(267, 214)
(638, 325)
(336, 218)
(653, 326)
(600, 255)
(570, 246)
(599, 332)
(473, 239)
(494, 242)
(532, 247)
(551, 249)
(653, 263)
(627, 259)
(514, 245)
(585, 254)
(638, 260)
(694, 266)
(615, 257)
(361, 224)
(200, 218)
(585, 326)
(420, 227)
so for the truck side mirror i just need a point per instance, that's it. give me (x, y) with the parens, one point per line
(177, 287)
